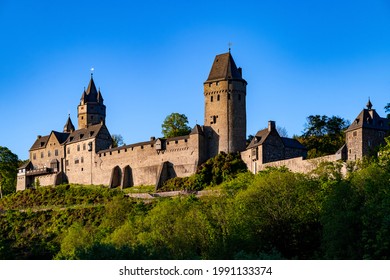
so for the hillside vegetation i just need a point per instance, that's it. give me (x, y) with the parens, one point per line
(275, 214)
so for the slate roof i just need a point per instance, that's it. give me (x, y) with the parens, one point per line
(91, 94)
(292, 143)
(40, 143)
(61, 136)
(224, 68)
(69, 127)
(259, 138)
(84, 133)
(262, 135)
(197, 130)
(369, 119)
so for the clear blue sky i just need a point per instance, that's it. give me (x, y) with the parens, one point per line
(151, 58)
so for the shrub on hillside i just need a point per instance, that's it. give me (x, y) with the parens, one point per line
(214, 171)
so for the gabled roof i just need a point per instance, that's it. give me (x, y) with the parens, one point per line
(292, 143)
(40, 143)
(369, 119)
(61, 136)
(224, 68)
(259, 138)
(89, 132)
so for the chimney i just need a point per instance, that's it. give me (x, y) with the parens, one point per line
(39, 136)
(152, 138)
(271, 126)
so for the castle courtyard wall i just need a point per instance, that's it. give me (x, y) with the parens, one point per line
(145, 161)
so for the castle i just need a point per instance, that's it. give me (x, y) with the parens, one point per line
(85, 155)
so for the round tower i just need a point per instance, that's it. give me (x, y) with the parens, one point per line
(225, 106)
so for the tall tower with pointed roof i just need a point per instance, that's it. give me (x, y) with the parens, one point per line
(225, 106)
(91, 109)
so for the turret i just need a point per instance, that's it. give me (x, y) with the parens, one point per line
(69, 127)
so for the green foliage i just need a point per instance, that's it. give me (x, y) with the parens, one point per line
(280, 211)
(323, 135)
(117, 140)
(8, 169)
(60, 196)
(175, 125)
(275, 214)
(214, 171)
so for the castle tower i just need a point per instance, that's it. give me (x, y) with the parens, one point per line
(225, 106)
(91, 109)
(365, 133)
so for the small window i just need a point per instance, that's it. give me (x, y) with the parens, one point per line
(142, 147)
(82, 117)
(48, 154)
(119, 151)
(67, 162)
(217, 83)
(215, 119)
(78, 148)
(218, 97)
(210, 84)
(82, 159)
(34, 156)
(56, 152)
(68, 151)
(84, 147)
(211, 99)
(185, 140)
(81, 136)
(229, 96)
(76, 161)
(354, 133)
(176, 142)
(42, 155)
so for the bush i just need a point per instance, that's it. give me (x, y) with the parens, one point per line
(214, 171)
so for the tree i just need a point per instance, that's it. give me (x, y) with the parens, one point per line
(8, 169)
(175, 125)
(387, 110)
(117, 140)
(323, 135)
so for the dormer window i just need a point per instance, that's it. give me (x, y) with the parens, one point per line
(91, 133)
(42, 144)
(81, 136)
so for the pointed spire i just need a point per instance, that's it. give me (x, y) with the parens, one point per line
(69, 127)
(91, 91)
(224, 68)
(100, 97)
(369, 104)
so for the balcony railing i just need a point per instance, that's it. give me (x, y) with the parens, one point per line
(39, 171)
